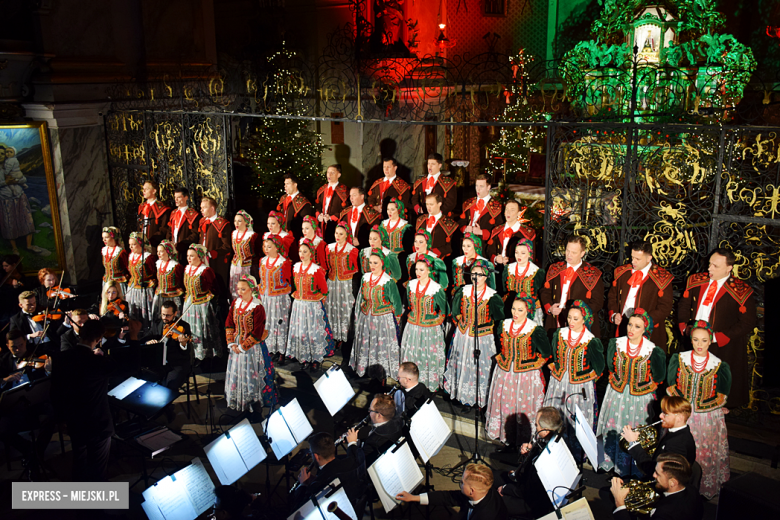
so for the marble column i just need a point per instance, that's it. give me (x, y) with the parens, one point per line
(81, 173)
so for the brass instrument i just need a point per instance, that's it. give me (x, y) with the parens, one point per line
(648, 438)
(641, 497)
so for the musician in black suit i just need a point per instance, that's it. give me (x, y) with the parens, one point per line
(350, 470)
(178, 360)
(476, 499)
(33, 329)
(678, 500)
(678, 438)
(386, 429)
(79, 393)
(413, 394)
(529, 494)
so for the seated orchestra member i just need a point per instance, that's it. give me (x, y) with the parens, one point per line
(476, 499)
(326, 467)
(177, 364)
(30, 324)
(678, 500)
(79, 393)
(49, 280)
(412, 394)
(386, 429)
(37, 416)
(526, 484)
(678, 438)
(69, 330)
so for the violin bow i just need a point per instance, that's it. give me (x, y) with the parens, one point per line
(46, 321)
(176, 322)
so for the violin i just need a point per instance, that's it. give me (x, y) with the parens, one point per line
(43, 316)
(174, 332)
(33, 363)
(62, 293)
(116, 307)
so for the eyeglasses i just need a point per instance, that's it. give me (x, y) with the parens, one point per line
(374, 411)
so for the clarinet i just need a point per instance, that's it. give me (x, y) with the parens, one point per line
(311, 466)
(357, 426)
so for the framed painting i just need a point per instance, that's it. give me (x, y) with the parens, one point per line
(29, 213)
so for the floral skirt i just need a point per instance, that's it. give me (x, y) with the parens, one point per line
(558, 392)
(236, 272)
(158, 301)
(244, 378)
(340, 304)
(139, 303)
(513, 401)
(208, 338)
(277, 321)
(310, 337)
(460, 377)
(621, 409)
(712, 449)
(424, 346)
(17, 220)
(375, 344)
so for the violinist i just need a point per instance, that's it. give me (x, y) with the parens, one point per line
(11, 287)
(12, 271)
(32, 322)
(69, 330)
(15, 359)
(112, 301)
(176, 365)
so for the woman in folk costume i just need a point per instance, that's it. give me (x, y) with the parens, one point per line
(310, 339)
(461, 266)
(578, 361)
(276, 223)
(244, 240)
(637, 366)
(460, 376)
(376, 320)
(517, 389)
(114, 258)
(705, 381)
(524, 276)
(392, 265)
(170, 279)
(312, 232)
(342, 264)
(423, 339)
(274, 290)
(199, 311)
(249, 374)
(422, 248)
(143, 278)
(395, 227)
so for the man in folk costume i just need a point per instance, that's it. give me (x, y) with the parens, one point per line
(641, 284)
(184, 224)
(332, 198)
(573, 279)
(294, 206)
(435, 182)
(389, 187)
(153, 215)
(728, 305)
(360, 217)
(481, 214)
(215, 234)
(438, 225)
(503, 239)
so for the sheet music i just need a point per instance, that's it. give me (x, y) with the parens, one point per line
(393, 473)
(556, 467)
(248, 444)
(287, 427)
(387, 473)
(577, 510)
(429, 431)
(225, 459)
(587, 438)
(407, 468)
(297, 421)
(171, 500)
(198, 484)
(341, 498)
(152, 511)
(334, 390)
(126, 388)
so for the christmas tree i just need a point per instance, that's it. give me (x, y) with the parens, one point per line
(277, 146)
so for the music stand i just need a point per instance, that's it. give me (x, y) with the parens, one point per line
(147, 401)
(25, 397)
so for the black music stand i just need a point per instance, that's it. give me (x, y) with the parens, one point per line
(25, 397)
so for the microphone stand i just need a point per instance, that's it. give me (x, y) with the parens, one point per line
(476, 457)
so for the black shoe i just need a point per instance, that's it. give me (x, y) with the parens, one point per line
(256, 416)
(304, 365)
(466, 408)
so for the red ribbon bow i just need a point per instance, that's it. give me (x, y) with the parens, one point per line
(430, 183)
(636, 279)
(355, 215)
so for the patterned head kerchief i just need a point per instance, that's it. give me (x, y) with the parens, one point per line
(343, 225)
(308, 243)
(247, 218)
(279, 218)
(530, 303)
(141, 238)
(645, 317)
(474, 239)
(114, 233)
(428, 238)
(313, 222)
(277, 242)
(400, 205)
(170, 248)
(383, 234)
(252, 283)
(436, 269)
(202, 253)
(375, 251)
(587, 314)
(527, 243)
(483, 265)
(701, 324)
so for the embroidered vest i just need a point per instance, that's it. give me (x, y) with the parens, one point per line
(422, 311)
(395, 237)
(140, 276)
(194, 291)
(242, 250)
(572, 360)
(517, 354)
(374, 302)
(339, 267)
(466, 321)
(113, 268)
(166, 283)
(699, 389)
(305, 288)
(272, 282)
(635, 373)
